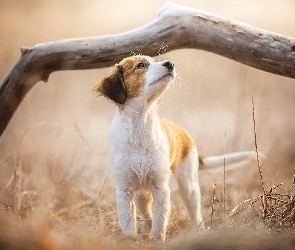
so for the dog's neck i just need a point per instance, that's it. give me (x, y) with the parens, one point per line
(139, 120)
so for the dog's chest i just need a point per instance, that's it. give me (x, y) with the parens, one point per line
(138, 149)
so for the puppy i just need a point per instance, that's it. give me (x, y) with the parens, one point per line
(145, 149)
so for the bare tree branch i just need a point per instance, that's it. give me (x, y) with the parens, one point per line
(176, 26)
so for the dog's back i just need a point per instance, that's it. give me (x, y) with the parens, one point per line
(179, 141)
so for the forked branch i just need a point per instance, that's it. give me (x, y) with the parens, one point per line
(176, 26)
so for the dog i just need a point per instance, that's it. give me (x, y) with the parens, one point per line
(145, 149)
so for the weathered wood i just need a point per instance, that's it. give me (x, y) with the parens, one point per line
(176, 26)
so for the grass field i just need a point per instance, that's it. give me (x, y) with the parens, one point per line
(56, 190)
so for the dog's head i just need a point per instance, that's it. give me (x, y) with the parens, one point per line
(136, 77)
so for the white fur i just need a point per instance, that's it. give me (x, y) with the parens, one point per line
(140, 160)
(187, 178)
(139, 153)
(140, 157)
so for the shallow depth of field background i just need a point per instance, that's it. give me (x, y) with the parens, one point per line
(55, 178)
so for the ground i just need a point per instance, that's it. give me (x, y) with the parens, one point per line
(56, 190)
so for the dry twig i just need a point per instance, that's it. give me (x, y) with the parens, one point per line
(243, 43)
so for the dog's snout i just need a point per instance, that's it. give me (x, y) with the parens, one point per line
(169, 65)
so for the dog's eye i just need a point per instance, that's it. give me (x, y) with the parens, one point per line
(140, 65)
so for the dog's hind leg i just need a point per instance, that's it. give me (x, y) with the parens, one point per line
(187, 178)
(143, 201)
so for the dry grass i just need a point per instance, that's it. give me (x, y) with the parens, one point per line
(56, 191)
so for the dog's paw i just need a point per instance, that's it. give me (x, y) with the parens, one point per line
(144, 237)
(129, 236)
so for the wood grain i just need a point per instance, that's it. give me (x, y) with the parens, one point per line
(176, 26)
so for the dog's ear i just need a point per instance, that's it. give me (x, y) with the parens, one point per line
(112, 86)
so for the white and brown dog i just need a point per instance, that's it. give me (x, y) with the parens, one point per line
(145, 149)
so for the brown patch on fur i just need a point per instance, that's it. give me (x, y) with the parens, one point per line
(112, 87)
(134, 77)
(125, 81)
(179, 141)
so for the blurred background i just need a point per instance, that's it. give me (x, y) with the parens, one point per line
(57, 141)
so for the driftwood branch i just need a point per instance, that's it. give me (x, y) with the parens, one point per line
(176, 27)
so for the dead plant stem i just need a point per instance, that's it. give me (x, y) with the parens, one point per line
(224, 211)
(257, 155)
(212, 204)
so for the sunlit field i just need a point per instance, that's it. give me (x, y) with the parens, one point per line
(56, 188)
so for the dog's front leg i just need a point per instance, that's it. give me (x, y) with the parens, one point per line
(161, 212)
(127, 213)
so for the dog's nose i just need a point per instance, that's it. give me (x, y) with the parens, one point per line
(169, 65)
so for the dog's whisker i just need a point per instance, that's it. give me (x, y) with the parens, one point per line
(139, 51)
(159, 51)
(162, 49)
(132, 53)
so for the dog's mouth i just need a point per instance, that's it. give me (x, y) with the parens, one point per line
(169, 74)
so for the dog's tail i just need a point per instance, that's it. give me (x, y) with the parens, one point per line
(227, 159)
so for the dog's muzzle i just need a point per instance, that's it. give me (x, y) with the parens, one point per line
(169, 65)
